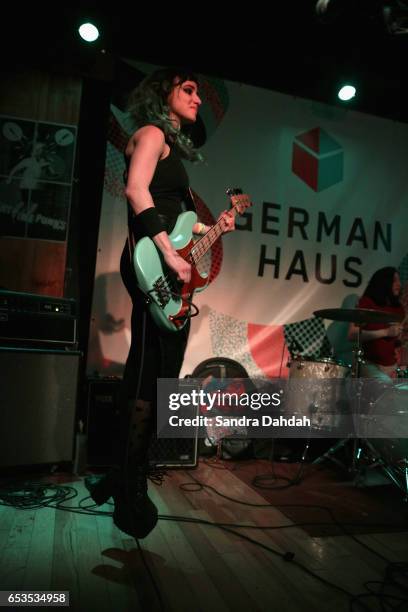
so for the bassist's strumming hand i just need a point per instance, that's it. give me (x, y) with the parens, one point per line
(174, 261)
(179, 265)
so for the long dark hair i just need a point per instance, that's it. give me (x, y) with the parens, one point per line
(147, 104)
(379, 287)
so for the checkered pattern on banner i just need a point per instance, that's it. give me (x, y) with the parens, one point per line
(114, 167)
(307, 338)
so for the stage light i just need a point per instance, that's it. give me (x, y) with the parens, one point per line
(88, 32)
(346, 93)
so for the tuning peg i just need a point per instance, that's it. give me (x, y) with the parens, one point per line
(231, 191)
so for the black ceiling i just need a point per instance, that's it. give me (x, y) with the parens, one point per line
(281, 46)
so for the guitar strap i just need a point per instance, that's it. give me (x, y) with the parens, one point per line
(130, 238)
(131, 243)
(190, 201)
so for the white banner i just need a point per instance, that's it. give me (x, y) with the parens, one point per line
(329, 190)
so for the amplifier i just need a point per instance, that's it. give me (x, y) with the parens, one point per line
(38, 399)
(178, 452)
(103, 428)
(29, 319)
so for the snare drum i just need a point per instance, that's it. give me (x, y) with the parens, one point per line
(301, 367)
(316, 389)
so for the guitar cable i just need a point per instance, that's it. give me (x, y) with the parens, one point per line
(391, 592)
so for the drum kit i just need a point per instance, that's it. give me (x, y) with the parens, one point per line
(389, 453)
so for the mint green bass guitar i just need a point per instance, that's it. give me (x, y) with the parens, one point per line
(169, 301)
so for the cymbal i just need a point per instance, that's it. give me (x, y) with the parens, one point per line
(358, 315)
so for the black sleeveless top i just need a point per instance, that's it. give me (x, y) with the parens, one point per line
(169, 190)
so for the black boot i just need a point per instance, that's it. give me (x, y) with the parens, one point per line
(134, 513)
(101, 488)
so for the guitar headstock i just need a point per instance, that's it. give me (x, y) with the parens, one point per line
(239, 201)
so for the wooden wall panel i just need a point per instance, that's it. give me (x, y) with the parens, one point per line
(37, 266)
(41, 96)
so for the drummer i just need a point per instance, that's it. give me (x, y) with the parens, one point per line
(380, 341)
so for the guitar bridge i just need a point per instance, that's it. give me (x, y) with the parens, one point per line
(162, 291)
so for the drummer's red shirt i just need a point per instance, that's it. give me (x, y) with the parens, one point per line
(382, 350)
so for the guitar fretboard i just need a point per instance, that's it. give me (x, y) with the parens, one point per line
(205, 243)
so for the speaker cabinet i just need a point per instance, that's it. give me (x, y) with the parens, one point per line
(103, 430)
(181, 452)
(38, 395)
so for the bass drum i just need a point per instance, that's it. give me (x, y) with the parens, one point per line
(316, 389)
(390, 424)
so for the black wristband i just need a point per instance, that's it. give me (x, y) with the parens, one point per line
(150, 222)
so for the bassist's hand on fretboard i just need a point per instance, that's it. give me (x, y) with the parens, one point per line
(228, 223)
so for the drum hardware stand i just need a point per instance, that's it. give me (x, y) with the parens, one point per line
(358, 359)
(361, 316)
(356, 443)
(332, 450)
(364, 443)
(357, 447)
(406, 479)
(307, 445)
(305, 451)
(387, 469)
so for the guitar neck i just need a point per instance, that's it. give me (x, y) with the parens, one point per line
(205, 243)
